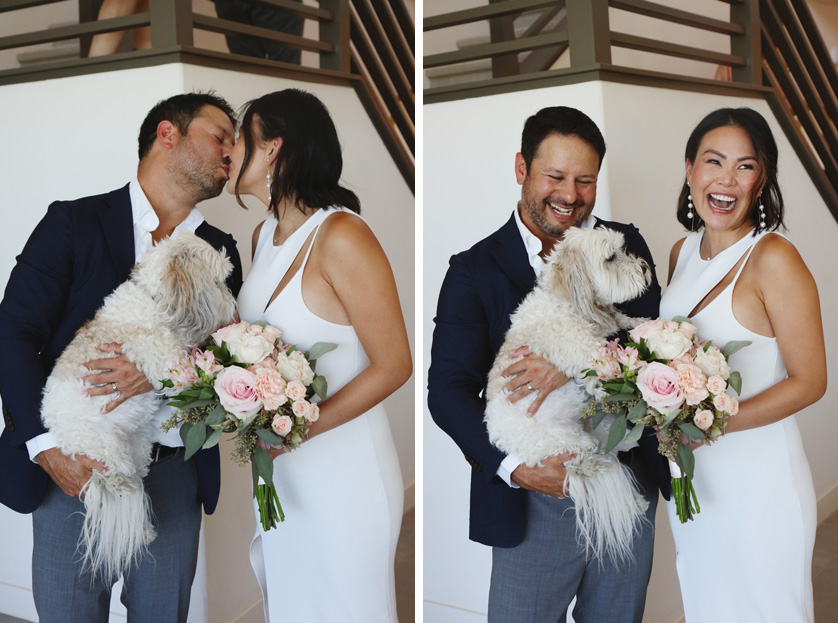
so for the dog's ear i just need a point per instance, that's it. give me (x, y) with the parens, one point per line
(192, 291)
(572, 273)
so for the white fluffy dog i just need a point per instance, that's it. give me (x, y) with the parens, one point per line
(174, 299)
(568, 314)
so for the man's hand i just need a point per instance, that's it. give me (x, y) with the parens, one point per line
(115, 372)
(548, 479)
(71, 474)
(532, 374)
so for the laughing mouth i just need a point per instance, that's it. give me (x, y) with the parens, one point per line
(561, 211)
(724, 203)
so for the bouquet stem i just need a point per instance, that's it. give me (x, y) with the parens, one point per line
(686, 502)
(270, 510)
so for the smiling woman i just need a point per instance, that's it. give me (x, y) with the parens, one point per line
(739, 280)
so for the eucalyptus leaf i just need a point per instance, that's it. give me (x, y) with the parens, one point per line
(685, 460)
(681, 319)
(669, 419)
(692, 430)
(616, 433)
(598, 417)
(268, 437)
(628, 388)
(212, 440)
(319, 386)
(167, 383)
(205, 394)
(195, 438)
(735, 381)
(621, 397)
(320, 349)
(733, 347)
(184, 431)
(216, 416)
(264, 465)
(635, 433)
(637, 412)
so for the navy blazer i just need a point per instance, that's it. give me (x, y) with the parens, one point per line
(78, 254)
(482, 288)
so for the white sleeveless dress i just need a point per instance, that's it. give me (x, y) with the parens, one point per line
(332, 558)
(747, 556)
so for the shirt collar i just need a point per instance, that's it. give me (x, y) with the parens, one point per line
(533, 245)
(145, 219)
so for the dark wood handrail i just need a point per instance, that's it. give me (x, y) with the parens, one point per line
(382, 47)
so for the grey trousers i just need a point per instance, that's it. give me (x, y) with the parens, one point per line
(155, 590)
(535, 581)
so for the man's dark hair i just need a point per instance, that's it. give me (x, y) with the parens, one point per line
(560, 120)
(180, 110)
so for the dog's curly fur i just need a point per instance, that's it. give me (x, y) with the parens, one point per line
(174, 299)
(570, 313)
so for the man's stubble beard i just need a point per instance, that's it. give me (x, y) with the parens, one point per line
(198, 177)
(540, 219)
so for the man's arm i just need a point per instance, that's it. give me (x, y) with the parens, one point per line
(461, 358)
(35, 299)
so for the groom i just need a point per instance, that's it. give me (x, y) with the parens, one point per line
(77, 255)
(538, 566)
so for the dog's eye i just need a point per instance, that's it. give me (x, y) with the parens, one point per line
(611, 258)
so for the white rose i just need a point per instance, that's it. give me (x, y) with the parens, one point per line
(669, 344)
(712, 362)
(294, 367)
(249, 348)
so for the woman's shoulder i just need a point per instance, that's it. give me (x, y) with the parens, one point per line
(775, 256)
(344, 228)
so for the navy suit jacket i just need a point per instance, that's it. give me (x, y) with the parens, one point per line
(482, 288)
(79, 253)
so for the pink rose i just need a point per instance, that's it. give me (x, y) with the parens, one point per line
(301, 408)
(295, 390)
(282, 425)
(658, 384)
(716, 385)
(270, 387)
(271, 333)
(704, 419)
(226, 334)
(692, 382)
(734, 405)
(723, 402)
(236, 389)
(647, 329)
(314, 413)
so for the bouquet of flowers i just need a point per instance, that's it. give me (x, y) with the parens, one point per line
(665, 377)
(244, 380)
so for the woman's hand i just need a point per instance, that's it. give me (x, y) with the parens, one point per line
(533, 373)
(116, 375)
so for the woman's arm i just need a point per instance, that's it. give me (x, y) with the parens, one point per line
(777, 295)
(351, 261)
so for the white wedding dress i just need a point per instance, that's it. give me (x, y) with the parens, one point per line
(747, 556)
(342, 493)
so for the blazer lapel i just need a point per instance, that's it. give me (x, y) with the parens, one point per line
(119, 231)
(510, 255)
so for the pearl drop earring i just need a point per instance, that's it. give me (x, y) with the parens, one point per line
(268, 177)
(761, 212)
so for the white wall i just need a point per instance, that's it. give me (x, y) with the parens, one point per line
(73, 137)
(470, 191)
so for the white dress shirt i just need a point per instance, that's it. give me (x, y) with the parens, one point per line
(145, 221)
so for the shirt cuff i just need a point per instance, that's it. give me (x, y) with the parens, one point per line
(36, 445)
(505, 469)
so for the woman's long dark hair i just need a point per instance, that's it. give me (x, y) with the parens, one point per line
(309, 164)
(762, 139)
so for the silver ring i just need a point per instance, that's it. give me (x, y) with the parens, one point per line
(531, 388)
(114, 388)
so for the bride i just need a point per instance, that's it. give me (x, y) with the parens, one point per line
(320, 275)
(747, 557)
